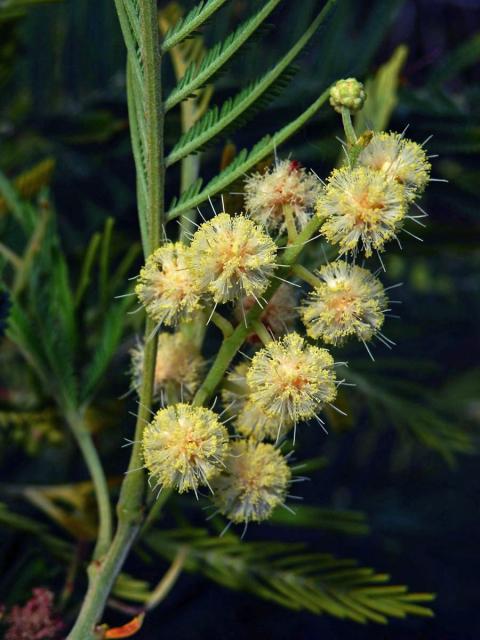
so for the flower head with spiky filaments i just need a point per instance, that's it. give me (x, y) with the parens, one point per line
(252, 422)
(184, 447)
(230, 257)
(350, 301)
(177, 369)
(165, 286)
(249, 419)
(399, 158)
(291, 379)
(254, 482)
(362, 208)
(286, 185)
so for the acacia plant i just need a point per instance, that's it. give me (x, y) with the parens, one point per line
(283, 282)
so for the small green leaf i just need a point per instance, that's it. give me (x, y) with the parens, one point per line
(197, 75)
(236, 110)
(245, 161)
(187, 26)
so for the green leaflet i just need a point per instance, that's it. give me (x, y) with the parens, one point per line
(338, 520)
(293, 577)
(192, 21)
(244, 161)
(234, 111)
(197, 75)
(139, 26)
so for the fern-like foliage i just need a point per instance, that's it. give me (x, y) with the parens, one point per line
(245, 160)
(235, 111)
(293, 577)
(399, 406)
(187, 26)
(139, 25)
(197, 75)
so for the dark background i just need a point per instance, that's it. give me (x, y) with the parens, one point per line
(62, 95)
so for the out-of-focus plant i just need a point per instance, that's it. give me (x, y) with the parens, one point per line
(234, 277)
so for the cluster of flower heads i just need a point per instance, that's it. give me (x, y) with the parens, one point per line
(289, 379)
(366, 205)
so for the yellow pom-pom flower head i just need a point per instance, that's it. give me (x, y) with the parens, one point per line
(253, 484)
(177, 369)
(401, 159)
(230, 257)
(291, 379)
(363, 209)
(252, 422)
(350, 301)
(250, 419)
(235, 390)
(165, 286)
(286, 189)
(184, 447)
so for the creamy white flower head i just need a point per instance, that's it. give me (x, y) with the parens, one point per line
(363, 209)
(351, 301)
(279, 314)
(235, 390)
(177, 369)
(286, 186)
(291, 379)
(230, 257)
(253, 422)
(249, 419)
(253, 484)
(399, 158)
(165, 286)
(184, 447)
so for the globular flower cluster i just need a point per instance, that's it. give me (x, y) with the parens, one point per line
(178, 367)
(232, 259)
(291, 379)
(349, 94)
(363, 209)
(250, 419)
(254, 482)
(184, 447)
(400, 159)
(285, 189)
(165, 286)
(349, 301)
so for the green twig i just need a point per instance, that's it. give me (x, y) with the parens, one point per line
(168, 580)
(84, 440)
(348, 127)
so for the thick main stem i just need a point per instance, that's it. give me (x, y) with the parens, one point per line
(103, 571)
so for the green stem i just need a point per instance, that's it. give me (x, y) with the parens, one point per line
(168, 580)
(307, 276)
(90, 455)
(223, 324)
(102, 572)
(290, 223)
(348, 127)
(261, 331)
